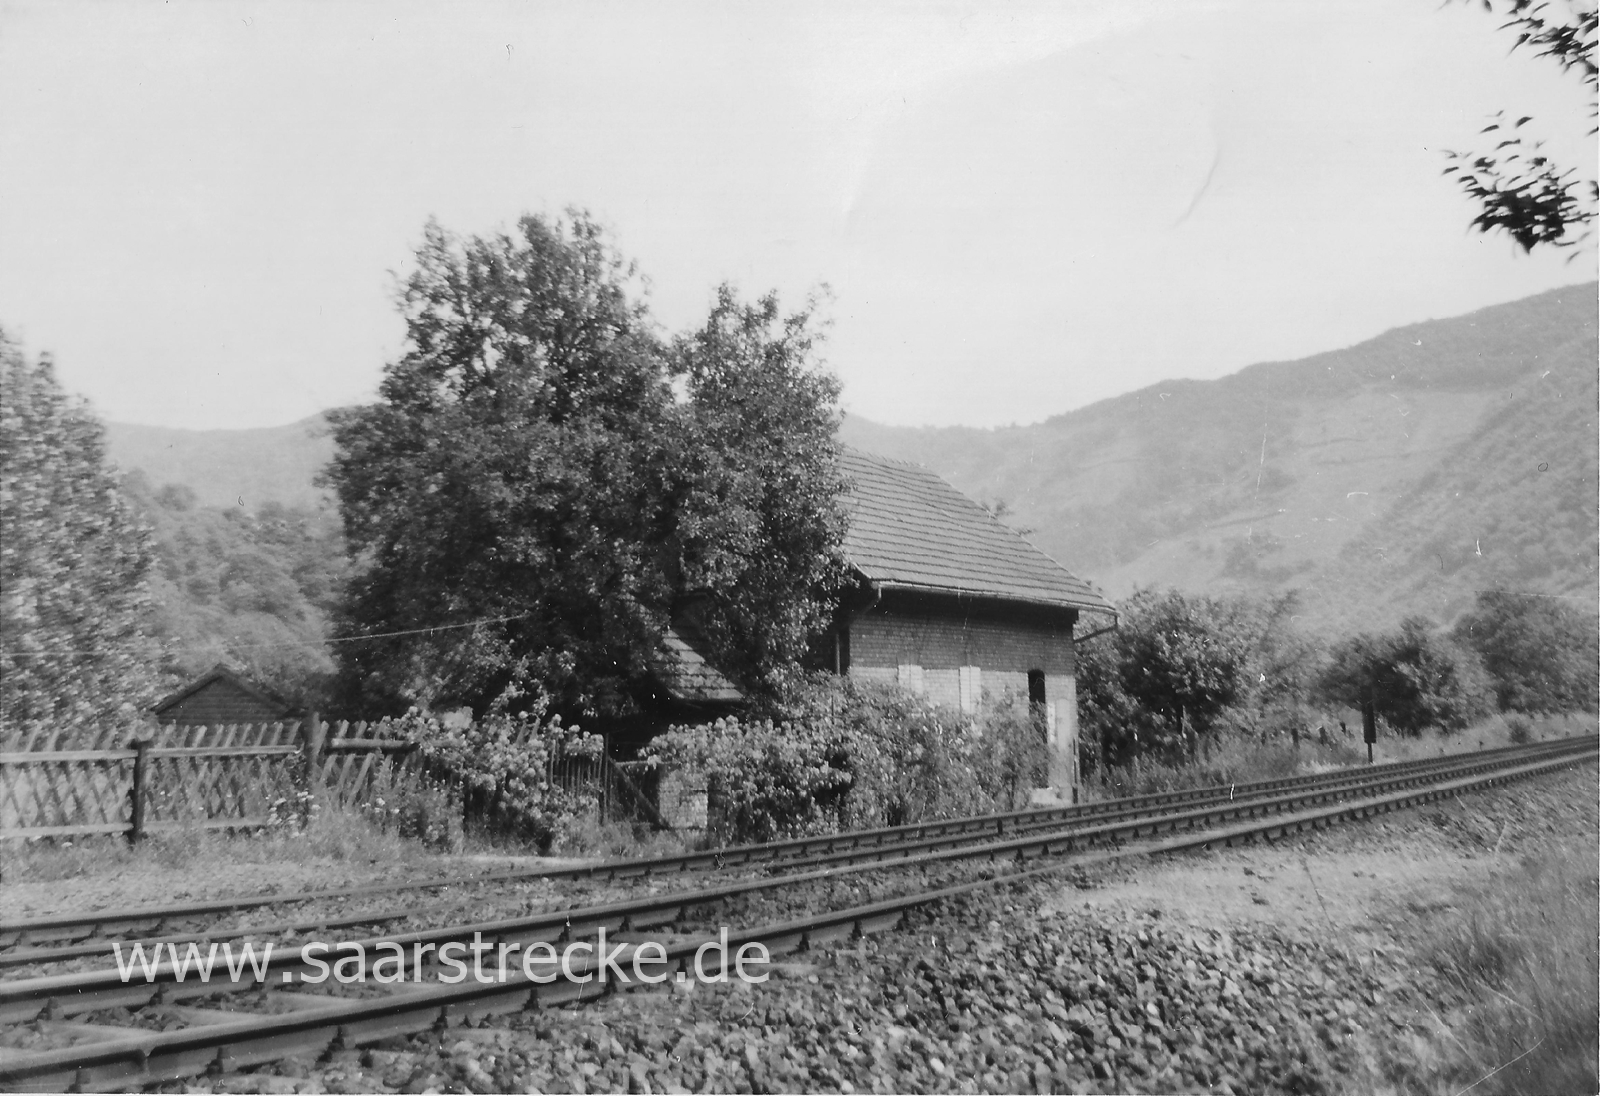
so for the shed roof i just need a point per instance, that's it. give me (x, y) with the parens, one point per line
(910, 529)
(221, 674)
(685, 671)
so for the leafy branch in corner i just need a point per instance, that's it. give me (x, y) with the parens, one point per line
(1519, 188)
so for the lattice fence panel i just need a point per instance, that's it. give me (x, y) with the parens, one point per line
(67, 790)
(351, 758)
(187, 787)
(208, 776)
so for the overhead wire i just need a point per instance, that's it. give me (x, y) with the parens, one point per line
(322, 642)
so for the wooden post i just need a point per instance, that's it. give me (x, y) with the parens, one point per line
(311, 732)
(141, 770)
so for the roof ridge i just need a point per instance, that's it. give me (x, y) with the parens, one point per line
(879, 458)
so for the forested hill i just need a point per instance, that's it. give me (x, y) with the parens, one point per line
(247, 468)
(1398, 475)
(1395, 476)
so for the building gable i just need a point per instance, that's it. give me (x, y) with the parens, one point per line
(220, 698)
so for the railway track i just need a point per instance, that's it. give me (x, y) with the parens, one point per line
(265, 1017)
(30, 943)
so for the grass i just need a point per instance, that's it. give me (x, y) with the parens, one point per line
(1231, 761)
(335, 837)
(1487, 734)
(1235, 760)
(338, 837)
(590, 839)
(1524, 953)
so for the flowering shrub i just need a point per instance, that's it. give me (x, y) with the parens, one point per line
(841, 755)
(763, 781)
(415, 805)
(504, 766)
(291, 811)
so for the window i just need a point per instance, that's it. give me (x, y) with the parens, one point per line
(971, 689)
(1036, 687)
(1042, 712)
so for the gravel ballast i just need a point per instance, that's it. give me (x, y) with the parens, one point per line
(1118, 983)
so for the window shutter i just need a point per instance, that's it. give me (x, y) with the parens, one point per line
(971, 689)
(910, 677)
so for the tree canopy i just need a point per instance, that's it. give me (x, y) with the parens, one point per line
(542, 466)
(1414, 678)
(1542, 654)
(1181, 665)
(758, 525)
(73, 564)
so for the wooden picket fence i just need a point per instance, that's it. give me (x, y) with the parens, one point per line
(70, 783)
(174, 777)
(343, 758)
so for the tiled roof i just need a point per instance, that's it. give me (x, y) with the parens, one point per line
(909, 528)
(685, 671)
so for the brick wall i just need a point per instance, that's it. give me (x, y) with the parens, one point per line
(891, 636)
(943, 637)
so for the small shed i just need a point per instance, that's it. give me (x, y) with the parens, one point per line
(219, 698)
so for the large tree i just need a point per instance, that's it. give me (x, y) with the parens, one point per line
(73, 566)
(532, 471)
(758, 524)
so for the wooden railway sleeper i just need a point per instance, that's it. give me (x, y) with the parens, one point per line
(1114, 835)
(1082, 812)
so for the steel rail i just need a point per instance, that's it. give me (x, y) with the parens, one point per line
(912, 843)
(794, 851)
(76, 993)
(128, 1058)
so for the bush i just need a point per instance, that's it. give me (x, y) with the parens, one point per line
(1542, 654)
(1182, 670)
(1414, 678)
(413, 805)
(841, 754)
(502, 766)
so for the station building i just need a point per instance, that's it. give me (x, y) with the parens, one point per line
(945, 602)
(953, 605)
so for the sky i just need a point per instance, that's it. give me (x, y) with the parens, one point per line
(1018, 208)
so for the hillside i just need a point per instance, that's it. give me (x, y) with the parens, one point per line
(252, 588)
(229, 467)
(1399, 475)
(1394, 476)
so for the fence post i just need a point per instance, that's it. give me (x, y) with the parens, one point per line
(141, 760)
(311, 732)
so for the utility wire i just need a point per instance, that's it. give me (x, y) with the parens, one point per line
(321, 642)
